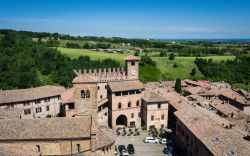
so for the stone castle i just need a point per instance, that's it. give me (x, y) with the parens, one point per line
(207, 119)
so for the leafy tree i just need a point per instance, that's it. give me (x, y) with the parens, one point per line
(171, 56)
(86, 46)
(177, 87)
(175, 65)
(193, 72)
(136, 53)
(163, 54)
(147, 60)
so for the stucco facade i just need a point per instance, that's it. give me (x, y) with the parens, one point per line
(128, 105)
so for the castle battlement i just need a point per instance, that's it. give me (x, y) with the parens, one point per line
(129, 72)
(103, 74)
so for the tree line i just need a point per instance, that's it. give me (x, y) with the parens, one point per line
(231, 71)
(22, 59)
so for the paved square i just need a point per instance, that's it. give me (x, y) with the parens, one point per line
(141, 148)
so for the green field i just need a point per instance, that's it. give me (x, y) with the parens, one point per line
(183, 69)
(94, 55)
(184, 66)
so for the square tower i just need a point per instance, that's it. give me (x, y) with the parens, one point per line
(132, 67)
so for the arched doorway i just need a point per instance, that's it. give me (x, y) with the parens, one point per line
(122, 120)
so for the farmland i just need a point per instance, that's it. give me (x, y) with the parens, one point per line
(183, 69)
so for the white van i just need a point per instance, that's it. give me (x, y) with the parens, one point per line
(151, 140)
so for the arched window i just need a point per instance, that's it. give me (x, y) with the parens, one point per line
(82, 94)
(87, 94)
(138, 103)
(38, 148)
(129, 104)
(119, 105)
(132, 63)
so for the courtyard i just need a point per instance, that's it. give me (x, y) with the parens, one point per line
(141, 148)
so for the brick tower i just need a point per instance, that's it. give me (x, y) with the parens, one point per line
(132, 67)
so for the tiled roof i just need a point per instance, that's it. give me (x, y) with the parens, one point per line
(131, 58)
(194, 90)
(105, 137)
(10, 113)
(125, 85)
(6, 150)
(18, 95)
(225, 108)
(203, 84)
(206, 130)
(150, 96)
(68, 96)
(55, 128)
(236, 97)
(47, 128)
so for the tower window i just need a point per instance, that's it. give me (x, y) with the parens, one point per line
(119, 105)
(138, 103)
(132, 63)
(78, 147)
(159, 105)
(82, 94)
(129, 104)
(87, 94)
(38, 148)
(101, 96)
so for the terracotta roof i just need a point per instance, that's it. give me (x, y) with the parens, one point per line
(203, 84)
(225, 108)
(45, 128)
(105, 137)
(206, 130)
(85, 78)
(236, 97)
(68, 96)
(19, 95)
(55, 128)
(125, 85)
(243, 93)
(131, 58)
(7, 150)
(10, 113)
(150, 96)
(194, 90)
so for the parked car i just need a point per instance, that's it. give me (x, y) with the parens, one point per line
(131, 149)
(163, 141)
(168, 150)
(122, 150)
(151, 140)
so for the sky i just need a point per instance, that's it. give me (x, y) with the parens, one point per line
(162, 19)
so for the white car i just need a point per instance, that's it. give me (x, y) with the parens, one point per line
(151, 140)
(163, 141)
